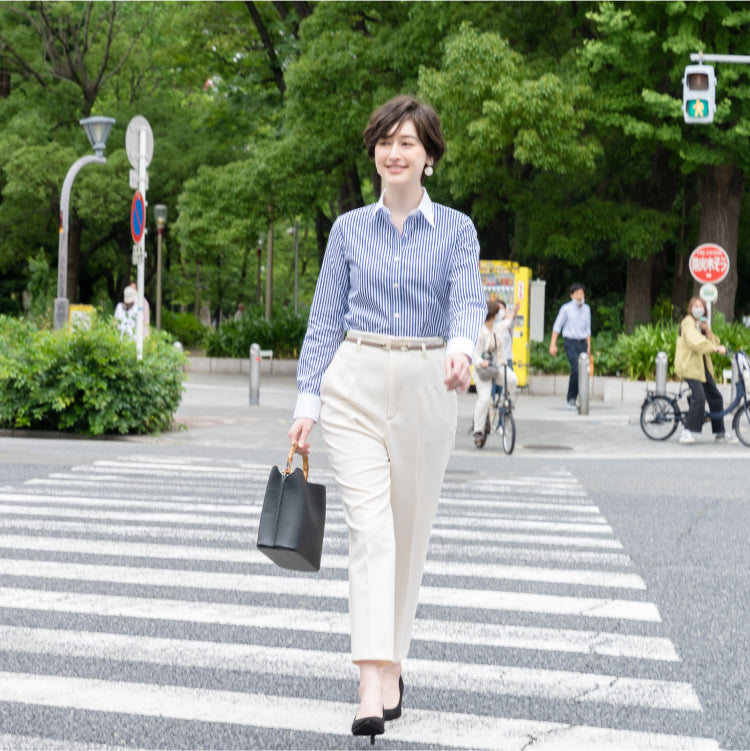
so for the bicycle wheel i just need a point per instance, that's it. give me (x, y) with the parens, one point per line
(509, 432)
(659, 417)
(741, 425)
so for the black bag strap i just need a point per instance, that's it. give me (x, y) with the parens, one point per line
(290, 459)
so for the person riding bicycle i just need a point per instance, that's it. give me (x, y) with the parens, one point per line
(489, 347)
(692, 362)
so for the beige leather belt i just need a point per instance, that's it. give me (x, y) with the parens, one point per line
(394, 343)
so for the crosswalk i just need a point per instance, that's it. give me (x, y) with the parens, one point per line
(135, 611)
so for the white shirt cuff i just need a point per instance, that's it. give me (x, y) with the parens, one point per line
(463, 345)
(308, 405)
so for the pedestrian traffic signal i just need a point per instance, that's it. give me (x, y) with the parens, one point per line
(699, 94)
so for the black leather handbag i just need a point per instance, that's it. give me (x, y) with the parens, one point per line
(293, 518)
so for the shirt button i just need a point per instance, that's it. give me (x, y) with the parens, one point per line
(395, 286)
(396, 315)
(397, 258)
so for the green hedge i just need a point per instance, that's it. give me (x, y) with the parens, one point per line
(87, 381)
(634, 355)
(283, 334)
(184, 327)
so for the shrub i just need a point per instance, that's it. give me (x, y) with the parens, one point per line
(283, 334)
(184, 327)
(87, 381)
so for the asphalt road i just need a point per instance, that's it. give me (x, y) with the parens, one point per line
(588, 591)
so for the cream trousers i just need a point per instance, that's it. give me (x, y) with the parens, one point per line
(484, 396)
(389, 426)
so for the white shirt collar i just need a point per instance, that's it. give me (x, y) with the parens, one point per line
(425, 207)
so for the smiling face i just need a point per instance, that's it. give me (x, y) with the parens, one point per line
(400, 157)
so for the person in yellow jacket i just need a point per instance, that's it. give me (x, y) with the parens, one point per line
(692, 363)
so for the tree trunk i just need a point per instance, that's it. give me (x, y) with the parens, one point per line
(720, 194)
(638, 292)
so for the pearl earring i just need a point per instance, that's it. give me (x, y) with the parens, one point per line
(428, 170)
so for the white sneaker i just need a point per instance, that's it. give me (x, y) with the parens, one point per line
(687, 437)
(725, 438)
(572, 405)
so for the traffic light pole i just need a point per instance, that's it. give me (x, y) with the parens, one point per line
(699, 57)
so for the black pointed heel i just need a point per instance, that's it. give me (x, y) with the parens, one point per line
(371, 726)
(395, 713)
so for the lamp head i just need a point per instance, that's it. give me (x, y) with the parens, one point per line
(97, 129)
(160, 213)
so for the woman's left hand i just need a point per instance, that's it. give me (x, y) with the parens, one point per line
(457, 372)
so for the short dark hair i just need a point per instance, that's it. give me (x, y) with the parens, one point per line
(392, 115)
(576, 286)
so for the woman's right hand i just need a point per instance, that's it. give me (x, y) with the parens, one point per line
(721, 349)
(299, 431)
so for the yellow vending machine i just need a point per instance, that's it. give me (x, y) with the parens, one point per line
(509, 282)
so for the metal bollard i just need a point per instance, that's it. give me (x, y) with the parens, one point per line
(583, 383)
(661, 373)
(735, 380)
(254, 374)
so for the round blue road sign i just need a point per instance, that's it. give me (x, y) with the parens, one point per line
(137, 217)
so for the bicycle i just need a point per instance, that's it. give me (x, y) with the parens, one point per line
(500, 417)
(661, 414)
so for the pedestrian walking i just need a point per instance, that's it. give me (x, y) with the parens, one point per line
(574, 323)
(390, 338)
(692, 362)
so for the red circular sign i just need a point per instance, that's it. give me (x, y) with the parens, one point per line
(709, 263)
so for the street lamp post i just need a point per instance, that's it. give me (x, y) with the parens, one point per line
(97, 129)
(160, 212)
(295, 231)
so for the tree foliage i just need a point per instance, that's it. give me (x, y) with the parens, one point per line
(563, 121)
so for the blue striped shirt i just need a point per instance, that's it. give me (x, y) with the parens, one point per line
(573, 321)
(423, 282)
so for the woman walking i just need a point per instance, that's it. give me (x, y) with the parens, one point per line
(692, 362)
(390, 338)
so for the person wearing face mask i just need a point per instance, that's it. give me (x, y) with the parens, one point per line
(692, 362)
(574, 323)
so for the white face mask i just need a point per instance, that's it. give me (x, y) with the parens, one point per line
(697, 312)
(580, 302)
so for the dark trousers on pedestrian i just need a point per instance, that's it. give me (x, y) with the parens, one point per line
(573, 348)
(700, 393)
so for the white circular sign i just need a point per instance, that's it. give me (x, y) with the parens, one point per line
(708, 293)
(133, 140)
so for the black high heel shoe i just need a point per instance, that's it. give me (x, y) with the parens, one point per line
(395, 713)
(371, 726)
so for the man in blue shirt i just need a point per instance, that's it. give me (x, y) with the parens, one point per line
(574, 323)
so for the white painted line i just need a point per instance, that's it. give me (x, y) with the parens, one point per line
(446, 729)
(162, 518)
(165, 521)
(126, 530)
(325, 622)
(252, 556)
(308, 587)
(543, 555)
(592, 529)
(461, 536)
(219, 509)
(573, 508)
(503, 680)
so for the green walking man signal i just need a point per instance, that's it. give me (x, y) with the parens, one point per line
(699, 94)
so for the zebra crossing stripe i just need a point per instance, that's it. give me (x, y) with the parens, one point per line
(608, 579)
(499, 679)
(320, 621)
(442, 729)
(481, 599)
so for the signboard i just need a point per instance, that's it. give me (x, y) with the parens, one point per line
(137, 217)
(133, 141)
(709, 293)
(709, 263)
(80, 316)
